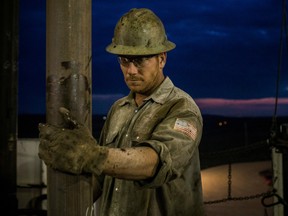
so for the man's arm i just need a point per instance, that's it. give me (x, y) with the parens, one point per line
(131, 163)
(74, 150)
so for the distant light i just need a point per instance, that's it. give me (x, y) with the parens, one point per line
(222, 123)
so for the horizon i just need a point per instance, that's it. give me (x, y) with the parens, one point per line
(208, 106)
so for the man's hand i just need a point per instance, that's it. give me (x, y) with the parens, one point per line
(72, 150)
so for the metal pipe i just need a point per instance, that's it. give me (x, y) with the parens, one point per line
(68, 84)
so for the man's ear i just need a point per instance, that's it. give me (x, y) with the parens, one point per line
(162, 59)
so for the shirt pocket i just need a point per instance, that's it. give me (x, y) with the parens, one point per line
(144, 127)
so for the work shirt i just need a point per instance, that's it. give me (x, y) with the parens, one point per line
(170, 122)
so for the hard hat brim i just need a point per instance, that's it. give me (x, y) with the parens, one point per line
(139, 50)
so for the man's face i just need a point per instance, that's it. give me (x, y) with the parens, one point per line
(143, 74)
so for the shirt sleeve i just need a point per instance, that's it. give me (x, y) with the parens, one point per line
(176, 141)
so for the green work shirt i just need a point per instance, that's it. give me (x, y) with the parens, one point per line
(170, 122)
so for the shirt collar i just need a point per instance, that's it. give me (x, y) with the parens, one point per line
(159, 95)
(162, 92)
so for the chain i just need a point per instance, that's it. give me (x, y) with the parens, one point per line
(256, 196)
(229, 181)
(229, 185)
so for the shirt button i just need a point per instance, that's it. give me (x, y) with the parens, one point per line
(136, 111)
(126, 135)
(137, 137)
(116, 189)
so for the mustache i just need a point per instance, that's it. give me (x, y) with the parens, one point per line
(133, 78)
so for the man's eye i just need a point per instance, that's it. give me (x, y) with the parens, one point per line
(125, 60)
(138, 61)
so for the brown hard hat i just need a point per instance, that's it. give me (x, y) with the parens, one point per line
(139, 32)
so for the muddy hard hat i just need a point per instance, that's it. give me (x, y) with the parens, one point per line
(139, 32)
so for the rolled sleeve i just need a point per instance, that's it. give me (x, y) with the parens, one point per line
(175, 150)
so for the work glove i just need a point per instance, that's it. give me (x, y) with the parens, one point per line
(72, 149)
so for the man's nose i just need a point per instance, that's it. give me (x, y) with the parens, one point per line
(132, 69)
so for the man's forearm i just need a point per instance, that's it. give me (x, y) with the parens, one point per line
(131, 163)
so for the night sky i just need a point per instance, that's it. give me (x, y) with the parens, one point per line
(226, 55)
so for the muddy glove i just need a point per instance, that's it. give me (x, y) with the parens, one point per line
(72, 150)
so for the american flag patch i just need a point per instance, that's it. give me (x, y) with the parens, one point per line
(186, 128)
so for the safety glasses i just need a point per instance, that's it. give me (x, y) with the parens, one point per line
(138, 61)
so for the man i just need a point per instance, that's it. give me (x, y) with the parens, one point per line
(147, 160)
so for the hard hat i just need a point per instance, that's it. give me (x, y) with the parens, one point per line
(139, 32)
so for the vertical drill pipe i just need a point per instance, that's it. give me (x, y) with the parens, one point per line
(68, 84)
